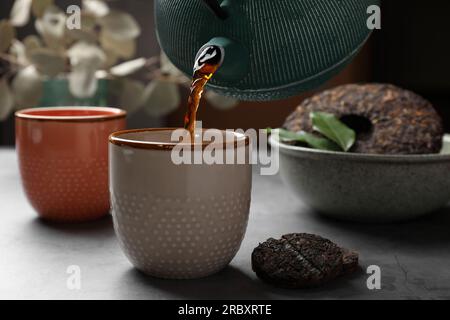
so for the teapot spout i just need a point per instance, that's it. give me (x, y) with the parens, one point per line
(215, 7)
(235, 58)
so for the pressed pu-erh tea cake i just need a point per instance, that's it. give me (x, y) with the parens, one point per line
(301, 261)
(387, 119)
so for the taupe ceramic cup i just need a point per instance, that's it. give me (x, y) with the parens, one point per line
(176, 221)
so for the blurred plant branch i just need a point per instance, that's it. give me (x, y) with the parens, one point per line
(104, 47)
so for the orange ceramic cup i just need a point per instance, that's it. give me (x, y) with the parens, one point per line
(63, 159)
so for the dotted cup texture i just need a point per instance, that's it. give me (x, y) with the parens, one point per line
(177, 222)
(64, 166)
(67, 190)
(163, 239)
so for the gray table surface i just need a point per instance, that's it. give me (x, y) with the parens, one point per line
(34, 255)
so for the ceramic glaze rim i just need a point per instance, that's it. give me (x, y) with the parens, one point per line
(322, 154)
(115, 138)
(110, 114)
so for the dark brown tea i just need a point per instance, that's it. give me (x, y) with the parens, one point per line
(206, 65)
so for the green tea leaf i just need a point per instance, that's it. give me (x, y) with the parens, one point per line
(319, 143)
(286, 135)
(309, 139)
(334, 129)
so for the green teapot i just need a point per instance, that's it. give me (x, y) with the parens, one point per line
(272, 49)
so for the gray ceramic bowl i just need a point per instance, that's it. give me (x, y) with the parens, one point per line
(367, 188)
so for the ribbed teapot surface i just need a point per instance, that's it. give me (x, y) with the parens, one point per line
(292, 45)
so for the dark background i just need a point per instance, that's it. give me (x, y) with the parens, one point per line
(412, 50)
